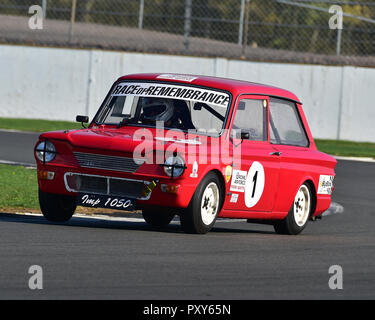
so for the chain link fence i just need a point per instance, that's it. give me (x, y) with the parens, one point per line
(262, 30)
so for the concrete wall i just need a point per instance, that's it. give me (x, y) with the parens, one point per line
(53, 83)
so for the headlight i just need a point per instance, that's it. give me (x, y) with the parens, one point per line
(45, 151)
(174, 166)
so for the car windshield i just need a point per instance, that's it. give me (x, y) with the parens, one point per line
(173, 106)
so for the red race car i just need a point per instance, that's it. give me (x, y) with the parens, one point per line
(195, 146)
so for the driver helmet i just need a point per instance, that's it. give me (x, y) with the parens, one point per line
(158, 110)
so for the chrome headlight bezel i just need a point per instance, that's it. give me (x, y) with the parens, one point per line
(174, 166)
(45, 151)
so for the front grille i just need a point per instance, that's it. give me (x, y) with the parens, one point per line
(91, 184)
(101, 161)
(123, 187)
(76, 182)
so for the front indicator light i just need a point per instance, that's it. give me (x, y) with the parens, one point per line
(170, 188)
(46, 175)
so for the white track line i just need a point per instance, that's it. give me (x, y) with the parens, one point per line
(85, 216)
(20, 131)
(334, 208)
(359, 159)
(120, 219)
(13, 163)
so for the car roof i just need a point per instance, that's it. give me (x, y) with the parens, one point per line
(234, 86)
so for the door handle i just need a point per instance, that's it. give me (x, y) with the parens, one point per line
(276, 153)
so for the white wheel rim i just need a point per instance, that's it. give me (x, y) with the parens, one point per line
(210, 203)
(301, 206)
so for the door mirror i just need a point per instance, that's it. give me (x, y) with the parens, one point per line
(82, 119)
(245, 135)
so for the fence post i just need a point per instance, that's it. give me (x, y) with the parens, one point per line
(247, 12)
(141, 9)
(72, 19)
(341, 99)
(187, 24)
(338, 45)
(44, 8)
(240, 27)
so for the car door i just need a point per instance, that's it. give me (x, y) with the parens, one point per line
(255, 172)
(288, 135)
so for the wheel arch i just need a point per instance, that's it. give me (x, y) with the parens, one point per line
(191, 218)
(309, 181)
(222, 183)
(314, 199)
(220, 176)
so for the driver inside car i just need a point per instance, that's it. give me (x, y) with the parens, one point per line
(165, 110)
(157, 110)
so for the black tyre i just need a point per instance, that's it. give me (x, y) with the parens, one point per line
(158, 217)
(299, 213)
(57, 207)
(204, 207)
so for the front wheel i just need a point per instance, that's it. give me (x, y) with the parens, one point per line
(200, 215)
(298, 215)
(57, 207)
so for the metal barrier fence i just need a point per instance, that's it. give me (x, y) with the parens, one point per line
(283, 30)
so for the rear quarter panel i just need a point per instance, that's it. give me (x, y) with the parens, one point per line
(299, 165)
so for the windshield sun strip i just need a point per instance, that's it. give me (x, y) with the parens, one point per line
(109, 97)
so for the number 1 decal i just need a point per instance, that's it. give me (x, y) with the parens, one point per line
(254, 185)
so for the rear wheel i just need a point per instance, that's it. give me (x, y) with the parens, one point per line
(158, 217)
(57, 207)
(299, 213)
(200, 215)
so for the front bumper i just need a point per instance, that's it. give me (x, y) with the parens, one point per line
(117, 184)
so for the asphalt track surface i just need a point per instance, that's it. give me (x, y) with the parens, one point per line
(89, 258)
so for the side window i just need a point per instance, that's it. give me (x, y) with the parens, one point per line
(285, 124)
(251, 117)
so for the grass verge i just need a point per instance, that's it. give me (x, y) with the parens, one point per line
(19, 187)
(37, 125)
(19, 192)
(346, 148)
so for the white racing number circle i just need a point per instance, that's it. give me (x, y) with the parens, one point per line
(254, 185)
